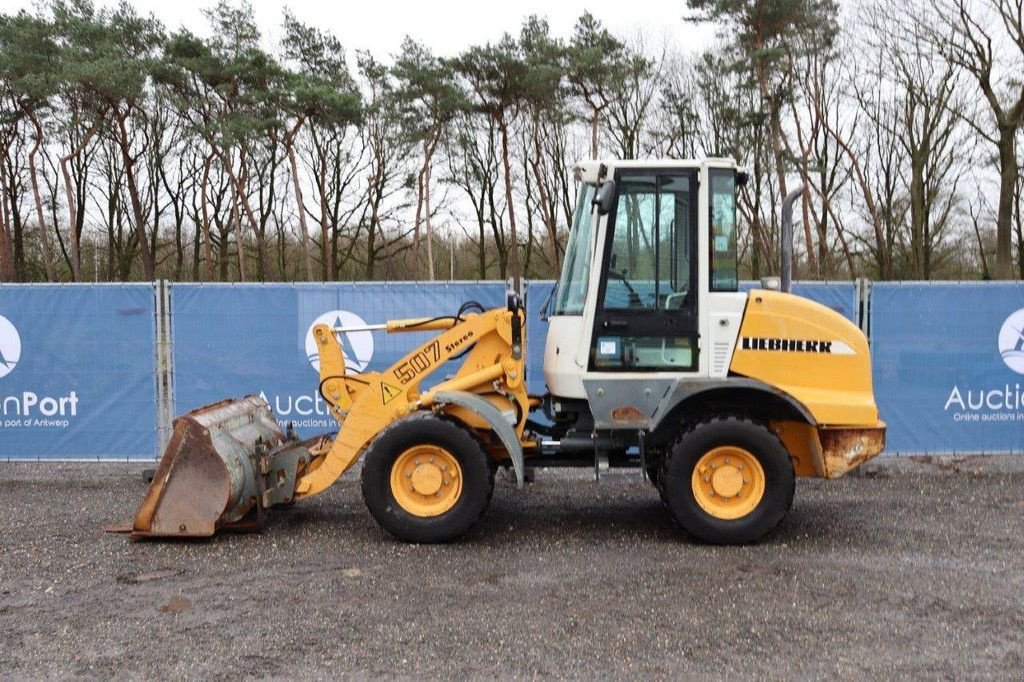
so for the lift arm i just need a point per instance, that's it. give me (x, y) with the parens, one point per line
(365, 404)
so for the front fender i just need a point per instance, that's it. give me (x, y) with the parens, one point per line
(496, 420)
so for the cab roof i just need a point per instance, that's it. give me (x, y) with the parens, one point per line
(593, 171)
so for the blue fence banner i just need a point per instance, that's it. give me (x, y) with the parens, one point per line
(948, 364)
(77, 372)
(537, 293)
(839, 296)
(236, 339)
(79, 366)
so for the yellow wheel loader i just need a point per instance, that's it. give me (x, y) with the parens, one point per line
(653, 360)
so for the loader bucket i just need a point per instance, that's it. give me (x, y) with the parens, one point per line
(224, 465)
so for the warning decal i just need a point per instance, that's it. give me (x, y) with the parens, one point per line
(388, 392)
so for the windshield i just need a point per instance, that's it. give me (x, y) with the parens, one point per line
(572, 285)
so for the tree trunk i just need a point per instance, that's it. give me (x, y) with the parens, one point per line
(207, 242)
(918, 212)
(812, 262)
(148, 264)
(13, 220)
(1008, 175)
(76, 267)
(243, 200)
(6, 275)
(546, 210)
(593, 134)
(235, 221)
(775, 126)
(419, 212)
(429, 227)
(881, 243)
(513, 235)
(327, 245)
(307, 254)
(44, 238)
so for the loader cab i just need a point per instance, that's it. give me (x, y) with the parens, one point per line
(641, 273)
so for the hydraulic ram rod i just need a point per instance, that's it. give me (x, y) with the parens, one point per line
(416, 324)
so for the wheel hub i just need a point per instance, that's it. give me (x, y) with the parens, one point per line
(426, 480)
(728, 482)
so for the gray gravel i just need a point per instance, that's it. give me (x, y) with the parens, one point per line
(915, 569)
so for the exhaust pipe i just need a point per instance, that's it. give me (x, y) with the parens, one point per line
(787, 237)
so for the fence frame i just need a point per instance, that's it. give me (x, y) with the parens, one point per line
(163, 335)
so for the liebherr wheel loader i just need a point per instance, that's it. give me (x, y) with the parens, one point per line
(653, 359)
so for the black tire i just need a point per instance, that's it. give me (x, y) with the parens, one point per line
(757, 439)
(477, 479)
(653, 474)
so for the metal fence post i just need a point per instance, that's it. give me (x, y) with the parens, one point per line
(864, 305)
(164, 379)
(168, 345)
(157, 365)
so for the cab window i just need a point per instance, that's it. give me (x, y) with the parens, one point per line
(724, 271)
(649, 261)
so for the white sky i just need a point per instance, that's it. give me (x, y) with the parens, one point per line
(446, 26)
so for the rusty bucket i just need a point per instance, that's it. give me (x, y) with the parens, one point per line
(224, 465)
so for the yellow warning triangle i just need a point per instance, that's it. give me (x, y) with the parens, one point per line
(389, 392)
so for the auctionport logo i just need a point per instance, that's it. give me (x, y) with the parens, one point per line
(995, 403)
(10, 347)
(1011, 341)
(357, 346)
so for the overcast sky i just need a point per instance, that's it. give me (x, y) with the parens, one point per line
(446, 26)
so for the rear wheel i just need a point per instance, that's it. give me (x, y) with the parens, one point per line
(426, 479)
(728, 481)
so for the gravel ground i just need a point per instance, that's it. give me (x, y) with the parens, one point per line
(916, 568)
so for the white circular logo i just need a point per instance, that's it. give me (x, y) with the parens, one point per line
(357, 346)
(10, 347)
(1011, 341)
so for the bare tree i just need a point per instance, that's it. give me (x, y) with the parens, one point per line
(985, 38)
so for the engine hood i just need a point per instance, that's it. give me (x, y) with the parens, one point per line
(810, 352)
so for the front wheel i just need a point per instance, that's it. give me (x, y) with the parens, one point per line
(426, 479)
(728, 481)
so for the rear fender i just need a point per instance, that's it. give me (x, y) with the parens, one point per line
(689, 398)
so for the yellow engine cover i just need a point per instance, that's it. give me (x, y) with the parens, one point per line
(809, 351)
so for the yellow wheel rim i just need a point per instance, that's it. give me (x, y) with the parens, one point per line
(426, 480)
(728, 482)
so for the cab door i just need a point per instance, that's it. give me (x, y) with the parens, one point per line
(645, 318)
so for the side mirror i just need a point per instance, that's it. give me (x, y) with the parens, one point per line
(604, 197)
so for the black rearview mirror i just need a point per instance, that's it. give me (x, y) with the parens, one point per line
(604, 197)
